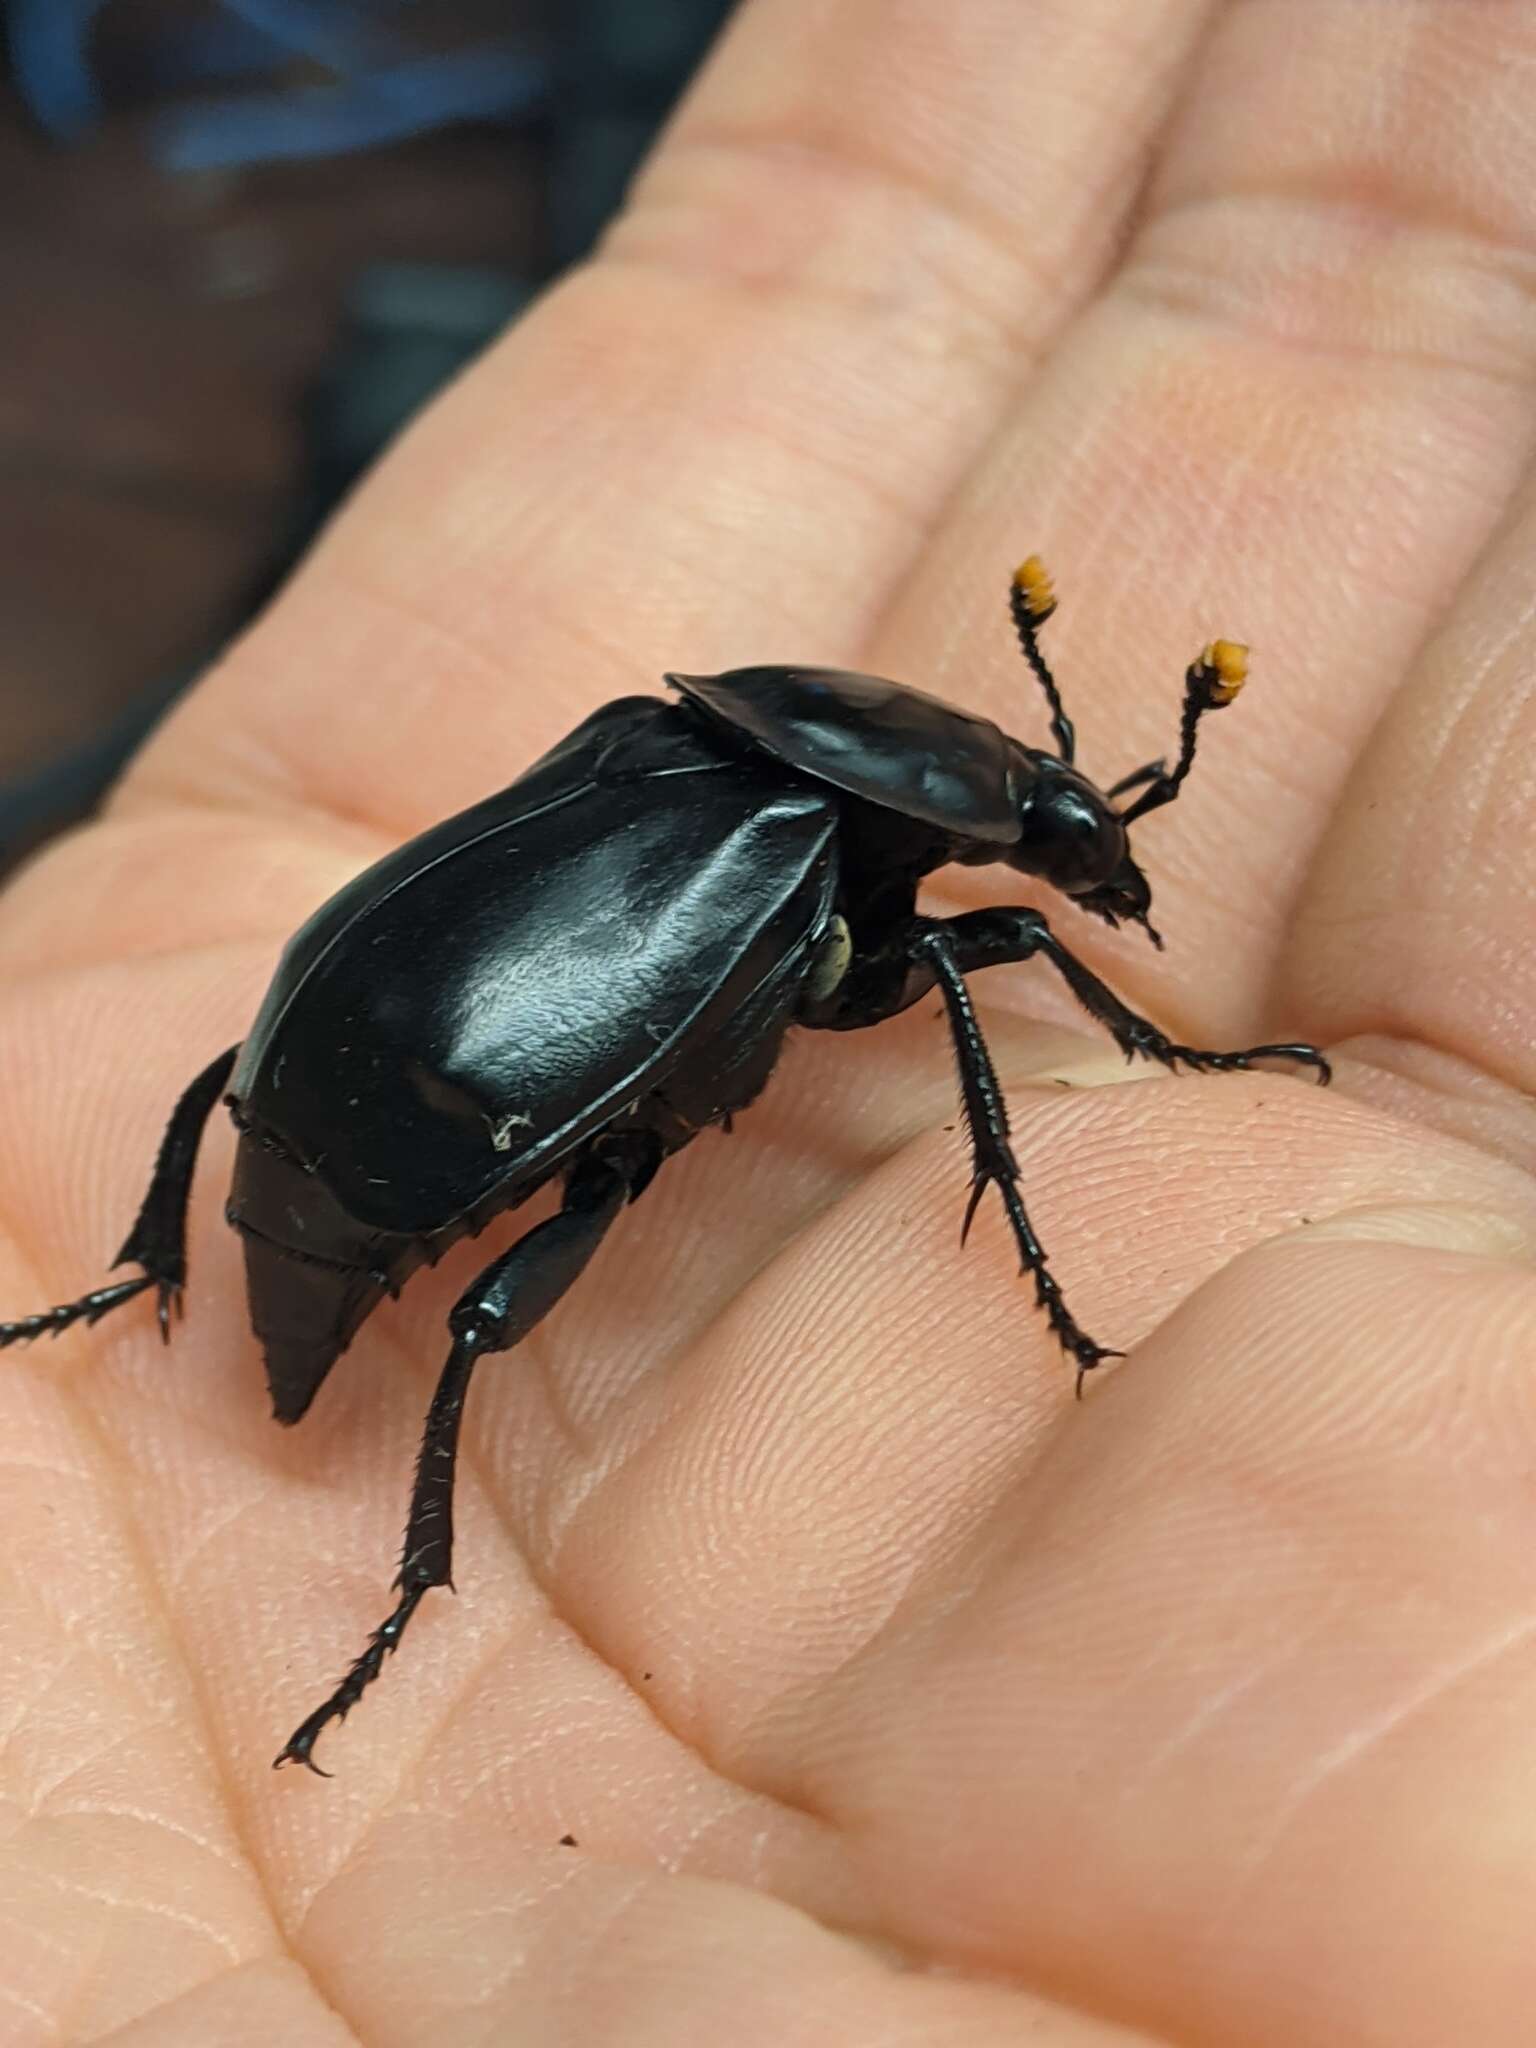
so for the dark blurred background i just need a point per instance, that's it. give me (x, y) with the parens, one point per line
(241, 241)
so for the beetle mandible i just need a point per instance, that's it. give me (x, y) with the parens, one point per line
(576, 976)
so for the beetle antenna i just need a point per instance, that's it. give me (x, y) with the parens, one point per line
(1032, 600)
(1209, 683)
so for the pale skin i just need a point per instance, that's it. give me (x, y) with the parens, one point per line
(890, 1695)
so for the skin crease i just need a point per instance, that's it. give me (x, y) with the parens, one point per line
(891, 1696)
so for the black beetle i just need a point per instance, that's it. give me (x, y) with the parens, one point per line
(579, 974)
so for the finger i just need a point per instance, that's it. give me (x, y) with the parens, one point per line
(1415, 935)
(764, 1467)
(1293, 418)
(725, 439)
(1246, 1675)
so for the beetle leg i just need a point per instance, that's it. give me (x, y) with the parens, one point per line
(158, 1239)
(514, 1293)
(993, 1163)
(989, 938)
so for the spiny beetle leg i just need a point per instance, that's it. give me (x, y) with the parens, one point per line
(90, 1308)
(158, 1239)
(1151, 1044)
(994, 938)
(994, 1165)
(514, 1293)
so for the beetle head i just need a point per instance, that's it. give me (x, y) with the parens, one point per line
(1071, 836)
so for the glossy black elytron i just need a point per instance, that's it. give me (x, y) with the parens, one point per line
(575, 977)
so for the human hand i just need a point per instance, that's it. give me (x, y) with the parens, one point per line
(889, 1695)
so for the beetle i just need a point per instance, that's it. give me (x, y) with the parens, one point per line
(573, 978)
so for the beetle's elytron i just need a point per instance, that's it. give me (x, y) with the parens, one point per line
(578, 975)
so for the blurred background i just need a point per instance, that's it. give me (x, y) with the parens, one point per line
(241, 242)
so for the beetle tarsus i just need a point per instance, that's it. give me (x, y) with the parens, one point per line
(1074, 1340)
(384, 1641)
(1148, 1043)
(90, 1308)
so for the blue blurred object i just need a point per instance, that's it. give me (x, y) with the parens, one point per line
(48, 54)
(387, 104)
(380, 88)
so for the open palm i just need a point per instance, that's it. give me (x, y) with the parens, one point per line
(887, 1695)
